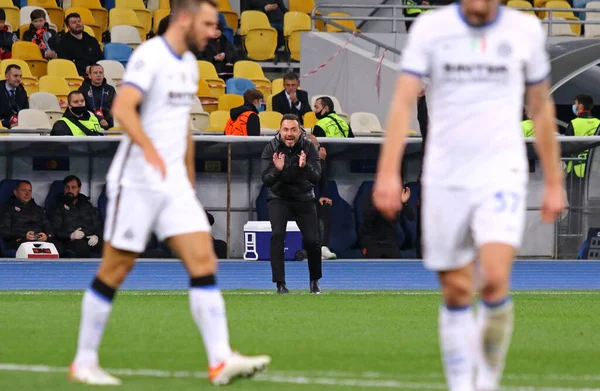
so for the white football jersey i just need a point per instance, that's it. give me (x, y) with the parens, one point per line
(169, 83)
(477, 76)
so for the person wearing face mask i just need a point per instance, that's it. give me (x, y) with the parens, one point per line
(583, 125)
(99, 96)
(77, 120)
(244, 120)
(330, 124)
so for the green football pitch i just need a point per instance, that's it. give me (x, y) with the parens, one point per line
(343, 340)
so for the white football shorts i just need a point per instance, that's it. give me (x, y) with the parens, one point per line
(457, 222)
(133, 214)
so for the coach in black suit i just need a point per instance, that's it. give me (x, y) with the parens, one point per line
(13, 97)
(292, 100)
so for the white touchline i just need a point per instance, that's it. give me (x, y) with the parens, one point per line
(281, 377)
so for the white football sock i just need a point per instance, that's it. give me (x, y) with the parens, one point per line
(495, 323)
(208, 309)
(95, 310)
(456, 327)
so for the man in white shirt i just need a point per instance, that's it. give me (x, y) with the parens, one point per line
(150, 188)
(291, 100)
(477, 56)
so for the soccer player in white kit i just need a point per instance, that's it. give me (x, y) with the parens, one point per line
(477, 56)
(150, 188)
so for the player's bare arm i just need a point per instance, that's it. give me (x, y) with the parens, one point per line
(125, 110)
(388, 184)
(190, 160)
(542, 111)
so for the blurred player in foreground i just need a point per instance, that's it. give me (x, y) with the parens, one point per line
(477, 56)
(151, 189)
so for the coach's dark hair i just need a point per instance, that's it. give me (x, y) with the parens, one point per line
(252, 94)
(289, 117)
(72, 93)
(327, 102)
(10, 67)
(180, 4)
(71, 15)
(586, 100)
(22, 181)
(70, 178)
(291, 76)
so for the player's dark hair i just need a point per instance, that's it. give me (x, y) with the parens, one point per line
(182, 4)
(70, 178)
(252, 94)
(71, 15)
(37, 14)
(11, 67)
(290, 76)
(327, 102)
(290, 117)
(22, 181)
(73, 93)
(586, 100)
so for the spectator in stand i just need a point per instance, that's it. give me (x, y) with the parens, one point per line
(330, 124)
(275, 9)
(39, 33)
(291, 100)
(244, 120)
(22, 220)
(220, 52)
(99, 96)
(78, 46)
(75, 221)
(6, 37)
(13, 97)
(77, 120)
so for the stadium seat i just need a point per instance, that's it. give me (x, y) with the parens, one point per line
(28, 81)
(12, 13)
(209, 101)
(217, 120)
(349, 24)
(559, 30)
(56, 188)
(55, 13)
(310, 120)
(365, 124)
(277, 86)
(269, 103)
(56, 85)
(128, 35)
(230, 101)
(336, 104)
(126, 17)
(592, 15)
(100, 13)
(307, 6)
(67, 70)
(228, 32)
(208, 72)
(159, 15)
(164, 4)
(87, 18)
(47, 103)
(270, 119)
(30, 53)
(252, 71)
(592, 30)
(520, 4)
(144, 16)
(199, 117)
(113, 71)
(262, 210)
(294, 23)
(25, 15)
(566, 15)
(343, 238)
(118, 52)
(231, 17)
(238, 85)
(33, 119)
(258, 37)
(7, 186)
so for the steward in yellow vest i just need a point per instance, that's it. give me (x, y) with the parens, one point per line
(584, 125)
(527, 126)
(77, 121)
(330, 124)
(413, 10)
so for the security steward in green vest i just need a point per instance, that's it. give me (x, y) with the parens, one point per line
(527, 125)
(413, 10)
(584, 125)
(330, 124)
(77, 121)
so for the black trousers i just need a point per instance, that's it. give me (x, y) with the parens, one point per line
(324, 214)
(81, 249)
(305, 215)
(380, 250)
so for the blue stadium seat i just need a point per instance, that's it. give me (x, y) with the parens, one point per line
(55, 189)
(227, 31)
(118, 52)
(343, 237)
(6, 189)
(238, 85)
(262, 211)
(360, 201)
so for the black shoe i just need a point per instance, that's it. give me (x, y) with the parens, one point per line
(314, 287)
(281, 289)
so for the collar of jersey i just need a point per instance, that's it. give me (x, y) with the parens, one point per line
(478, 26)
(177, 56)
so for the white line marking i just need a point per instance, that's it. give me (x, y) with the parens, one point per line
(283, 377)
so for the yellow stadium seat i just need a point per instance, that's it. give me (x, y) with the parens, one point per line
(55, 13)
(217, 121)
(231, 17)
(12, 13)
(349, 24)
(207, 72)
(294, 23)
(67, 70)
(252, 71)
(29, 81)
(127, 17)
(269, 102)
(277, 86)
(30, 53)
(100, 14)
(209, 101)
(259, 39)
(143, 15)
(90, 31)
(230, 101)
(87, 19)
(270, 119)
(159, 15)
(306, 6)
(567, 15)
(520, 4)
(310, 119)
(22, 30)
(56, 85)
(253, 20)
(163, 4)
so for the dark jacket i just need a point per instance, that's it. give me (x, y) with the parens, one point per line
(319, 132)
(274, 16)
(96, 97)
(216, 46)
(17, 218)
(68, 217)
(376, 229)
(570, 131)
(323, 180)
(60, 128)
(6, 41)
(7, 109)
(253, 124)
(292, 183)
(31, 36)
(282, 105)
(83, 52)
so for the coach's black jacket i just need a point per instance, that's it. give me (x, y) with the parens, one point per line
(17, 218)
(68, 216)
(292, 183)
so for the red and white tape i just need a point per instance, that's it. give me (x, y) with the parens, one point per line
(340, 50)
(378, 75)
